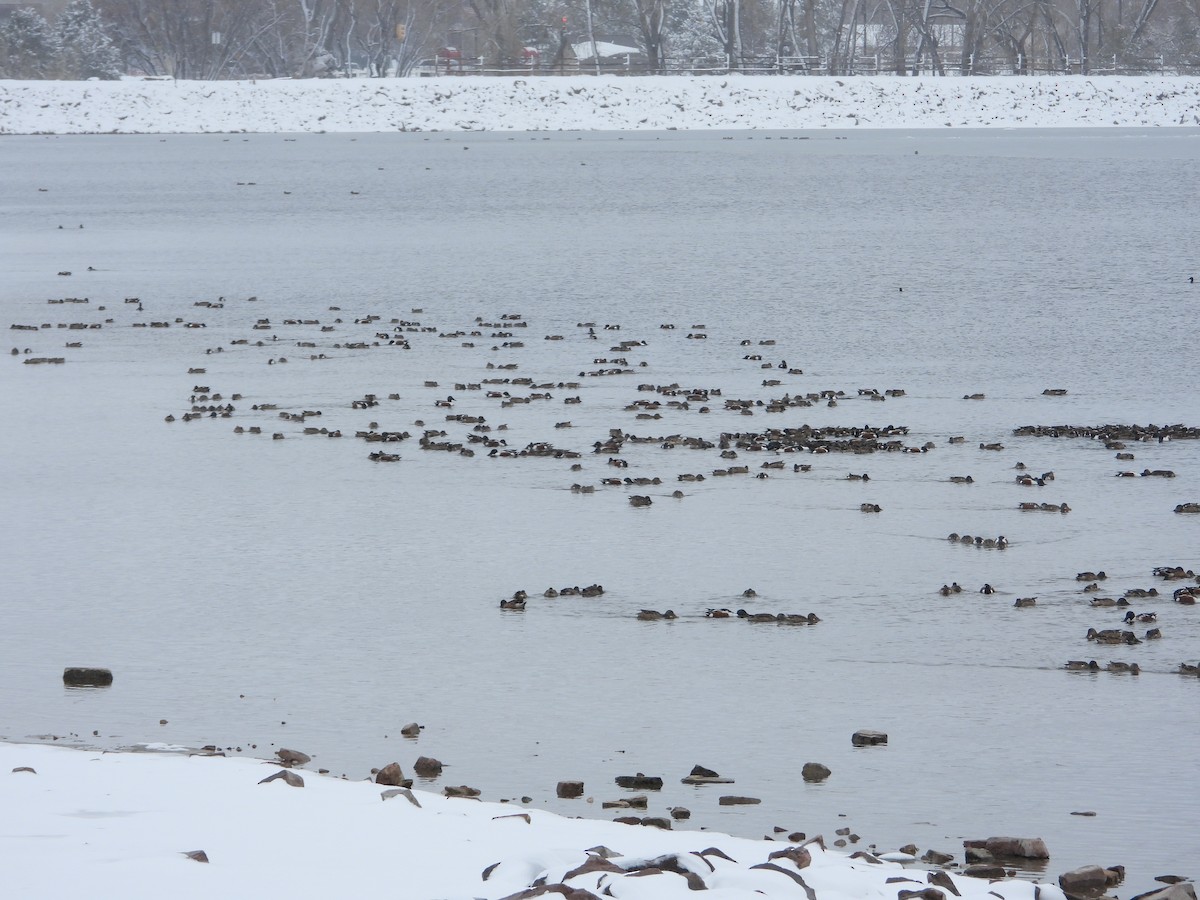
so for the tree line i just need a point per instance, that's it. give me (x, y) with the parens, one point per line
(209, 39)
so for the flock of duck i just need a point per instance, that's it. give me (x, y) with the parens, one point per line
(769, 445)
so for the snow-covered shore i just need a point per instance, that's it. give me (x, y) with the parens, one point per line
(593, 104)
(128, 825)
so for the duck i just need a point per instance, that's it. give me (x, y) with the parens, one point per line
(797, 619)
(1091, 588)
(1078, 665)
(652, 615)
(1025, 601)
(1103, 602)
(987, 589)
(512, 604)
(718, 614)
(755, 617)
(1130, 668)
(1112, 636)
(1187, 669)
(749, 592)
(1131, 617)
(1091, 576)
(962, 479)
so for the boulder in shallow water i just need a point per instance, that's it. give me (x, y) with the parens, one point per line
(868, 738)
(392, 775)
(1084, 883)
(83, 676)
(814, 771)
(427, 767)
(1019, 848)
(292, 757)
(640, 782)
(569, 790)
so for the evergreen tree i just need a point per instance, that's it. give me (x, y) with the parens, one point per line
(29, 47)
(86, 50)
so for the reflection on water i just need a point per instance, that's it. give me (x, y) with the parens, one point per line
(257, 593)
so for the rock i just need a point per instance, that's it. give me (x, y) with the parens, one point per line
(799, 856)
(461, 791)
(197, 855)
(814, 771)
(401, 792)
(985, 870)
(293, 757)
(393, 776)
(628, 820)
(680, 813)
(568, 790)
(427, 767)
(412, 729)
(289, 778)
(640, 782)
(910, 849)
(638, 802)
(615, 804)
(937, 858)
(1084, 883)
(734, 800)
(1179, 891)
(929, 893)
(700, 771)
(868, 738)
(978, 855)
(29, 769)
(86, 677)
(657, 822)
(1019, 848)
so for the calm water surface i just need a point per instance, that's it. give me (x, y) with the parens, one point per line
(293, 593)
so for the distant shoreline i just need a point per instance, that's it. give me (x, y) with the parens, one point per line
(606, 103)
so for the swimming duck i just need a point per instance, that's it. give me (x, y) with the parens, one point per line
(1131, 617)
(1130, 668)
(718, 614)
(1025, 601)
(1186, 669)
(749, 592)
(652, 615)
(1091, 576)
(1112, 636)
(512, 604)
(987, 589)
(755, 617)
(1078, 665)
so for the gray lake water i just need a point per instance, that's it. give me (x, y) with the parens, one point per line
(263, 592)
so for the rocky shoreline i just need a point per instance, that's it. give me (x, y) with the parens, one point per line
(933, 874)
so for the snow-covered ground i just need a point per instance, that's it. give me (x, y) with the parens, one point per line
(123, 825)
(592, 103)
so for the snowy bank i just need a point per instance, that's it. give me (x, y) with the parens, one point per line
(130, 824)
(592, 104)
